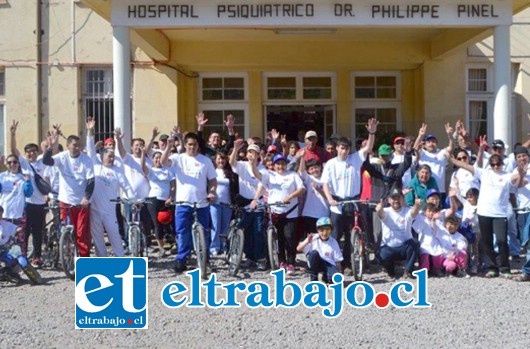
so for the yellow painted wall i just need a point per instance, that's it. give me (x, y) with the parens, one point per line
(444, 93)
(154, 100)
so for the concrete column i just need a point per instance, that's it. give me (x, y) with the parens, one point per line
(121, 59)
(502, 110)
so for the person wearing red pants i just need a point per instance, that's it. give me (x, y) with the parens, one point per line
(76, 185)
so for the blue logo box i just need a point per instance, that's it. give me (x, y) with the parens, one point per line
(111, 293)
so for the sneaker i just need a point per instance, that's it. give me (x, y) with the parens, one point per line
(348, 272)
(161, 253)
(36, 262)
(507, 275)
(290, 269)
(283, 266)
(179, 267)
(473, 270)
(462, 274)
(249, 263)
(491, 274)
(261, 265)
(522, 278)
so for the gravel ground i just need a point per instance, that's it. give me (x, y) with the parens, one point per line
(467, 313)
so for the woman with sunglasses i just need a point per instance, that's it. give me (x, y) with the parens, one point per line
(492, 209)
(462, 179)
(15, 188)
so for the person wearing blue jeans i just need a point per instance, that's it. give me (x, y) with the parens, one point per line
(196, 183)
(183, 222)
(221, 216)
(397, 242)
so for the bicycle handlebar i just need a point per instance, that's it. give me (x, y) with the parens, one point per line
(189, 203)
(365, 202)
(132, 202)
(522, 210)
(277, 204)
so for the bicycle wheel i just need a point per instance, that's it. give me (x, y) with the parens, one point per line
(199, 245)
(272, 244)
(32, 274)
(357, 255)
(135, 241)
(68, 252)
(50, 252)
(236, 240)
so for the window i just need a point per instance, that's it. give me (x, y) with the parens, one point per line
(98, 100)
(477, 80)
(299, 87)
(223, 89)
(2, 82)
(375, 87)
(377, 95)
(479, 100)
(222, 94)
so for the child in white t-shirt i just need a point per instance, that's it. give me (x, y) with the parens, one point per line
(322, 252)
(455, 246)
(470, 217)
(430, 231)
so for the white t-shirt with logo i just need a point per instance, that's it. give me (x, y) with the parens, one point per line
(463, 180)
(12, 200)
(437, 162)
(280, 186)
(429, 235)
(328, 250)
(344, 176)
(74, 174)
(160, 181)
(37, 198)
(136, 177)
(248, 183)
(316, 205)
(109, 180)
(396, 227)
(493, 200)
(192, 174)
(223, 187)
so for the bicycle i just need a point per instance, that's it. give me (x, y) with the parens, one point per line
(68, 250)
(197, 236)
(234, 240)
(272, 234)
(358, 239)
(11, 255)
(51, 237)
(135, 235)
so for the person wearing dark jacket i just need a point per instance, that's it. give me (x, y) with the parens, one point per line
(215, 145)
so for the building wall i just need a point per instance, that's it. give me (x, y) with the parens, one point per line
(167, 95)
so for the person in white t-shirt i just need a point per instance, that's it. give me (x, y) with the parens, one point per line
(252, 220)
(430, 232)
(396, 240)
(76, 185)
(523, 201)
(493, 208)
(196, 183)
(162, 191)
(7, 229)
(220, 211)
(322, 251)
(31, 164)
(284, 186)
(454, 258)
(133, 165)
(341, 178)
(109, 180)
(316, 205)
(434, 157)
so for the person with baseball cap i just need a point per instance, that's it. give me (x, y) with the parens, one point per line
(434, 157)
(322, 252)
(252, 220)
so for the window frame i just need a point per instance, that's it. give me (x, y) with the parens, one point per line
(3, 84)
(299, 86)
(223, 76)
(376, 103)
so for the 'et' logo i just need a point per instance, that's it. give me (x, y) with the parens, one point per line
(111, 293)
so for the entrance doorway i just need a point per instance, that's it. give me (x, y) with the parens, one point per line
(294, 119)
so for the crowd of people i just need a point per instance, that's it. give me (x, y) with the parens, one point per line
(449, 210)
